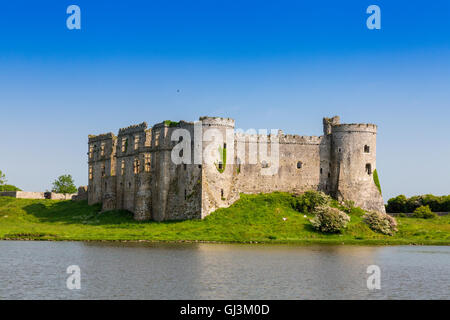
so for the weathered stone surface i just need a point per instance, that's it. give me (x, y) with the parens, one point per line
(340, 163)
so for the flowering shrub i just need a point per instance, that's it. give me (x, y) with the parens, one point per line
(329, 220)
(380, 222)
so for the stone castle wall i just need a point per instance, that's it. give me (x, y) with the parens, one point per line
(134, 171)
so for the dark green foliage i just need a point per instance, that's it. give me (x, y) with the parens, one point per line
(310, 200)
(170, 123)
(423, 212)
(64, 184)
(8, 187)
(376, 180)
(405, 205)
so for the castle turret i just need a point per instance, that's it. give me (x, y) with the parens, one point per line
(218, 163)
(353, 162)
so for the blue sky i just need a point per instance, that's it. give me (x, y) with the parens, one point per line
(268, 64)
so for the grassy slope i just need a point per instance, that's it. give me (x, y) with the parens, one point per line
(253, 218)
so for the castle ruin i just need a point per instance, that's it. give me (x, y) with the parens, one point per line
(134, 170)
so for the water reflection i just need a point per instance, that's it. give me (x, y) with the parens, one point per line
(33, 270)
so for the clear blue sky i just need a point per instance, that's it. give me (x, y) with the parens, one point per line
(268, 64)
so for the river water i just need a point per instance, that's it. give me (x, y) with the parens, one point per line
(37, 270)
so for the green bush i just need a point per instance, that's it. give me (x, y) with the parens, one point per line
(8, 187)
(64, 184)
(423, 212)
(329, 220)
(311, 200)
(380, 222)
(405, 205)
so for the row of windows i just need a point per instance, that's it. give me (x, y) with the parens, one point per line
(136, 167)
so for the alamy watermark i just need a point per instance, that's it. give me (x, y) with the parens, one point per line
(374, 280)
(374, 20)
(73, 282)
(74, 20)
(227, 147)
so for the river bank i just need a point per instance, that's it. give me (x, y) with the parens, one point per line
(253, 219)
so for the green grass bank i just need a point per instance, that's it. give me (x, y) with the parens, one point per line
(254, 218)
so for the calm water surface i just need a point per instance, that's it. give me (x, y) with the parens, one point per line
(37, 270)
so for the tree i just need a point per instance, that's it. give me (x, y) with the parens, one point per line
(2, 178)
(64, 184)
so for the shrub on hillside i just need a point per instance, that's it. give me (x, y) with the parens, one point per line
(311, 200)
(380, 222)
(329, 220)
(423, 212)
(8, 187)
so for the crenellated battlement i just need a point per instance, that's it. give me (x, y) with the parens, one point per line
(133, 129)
(101, 137)
(354, 127)
(217, 122)
(280, 137)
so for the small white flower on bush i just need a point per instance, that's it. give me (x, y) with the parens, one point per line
(329, 220)
(380, 222)
(284, 219)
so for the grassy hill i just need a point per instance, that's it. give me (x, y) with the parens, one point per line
(254, 218)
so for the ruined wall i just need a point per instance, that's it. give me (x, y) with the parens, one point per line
(101, 158)
(134, 171)
(23, 194)
(176, 188)
(298, 167)
(130, 164)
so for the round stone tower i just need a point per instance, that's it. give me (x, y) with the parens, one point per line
(218, 189)
(353, 163)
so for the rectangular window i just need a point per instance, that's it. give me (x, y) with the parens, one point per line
(124, 144)
(91, 173)
(368, 168)
(102, 149)
(122, 168)
(91, 151)
(147, 162)
(136, 142)
(157, 138)
(136, 165)
(103, 170)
